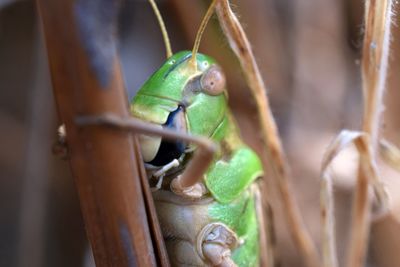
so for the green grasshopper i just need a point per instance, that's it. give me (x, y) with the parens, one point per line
(206, 196)
(212, 219)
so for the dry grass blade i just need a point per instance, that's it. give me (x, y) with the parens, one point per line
(361, 205)
(241, 46)
(368, 172)
(329, 254)
(375, 62)
(374, 72)
(390, 154)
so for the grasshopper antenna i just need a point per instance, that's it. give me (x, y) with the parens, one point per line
(164, 32)
(200, 32)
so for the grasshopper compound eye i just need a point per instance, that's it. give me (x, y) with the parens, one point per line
(213, 81)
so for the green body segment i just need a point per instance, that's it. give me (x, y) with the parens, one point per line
(229, 180)
(241, 216)
(205, 123)
(235, 166)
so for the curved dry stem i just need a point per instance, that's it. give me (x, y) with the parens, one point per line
(360, 208)
(368, 172)
(198, 165)
(374, 71)
(241, 46)
(375, 63)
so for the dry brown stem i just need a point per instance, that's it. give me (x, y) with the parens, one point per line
(374, 72)
(361, 204)
(329, 253)
(241, 46)
(375, 63)
(202, 157)
(87, 79)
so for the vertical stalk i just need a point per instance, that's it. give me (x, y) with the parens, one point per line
(374, 64)
(241, 46)
(86, 75)
(329, 254)
(374, 72)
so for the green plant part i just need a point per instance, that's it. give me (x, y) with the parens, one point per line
(214, 222)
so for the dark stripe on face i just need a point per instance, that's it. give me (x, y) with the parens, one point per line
(180, 61)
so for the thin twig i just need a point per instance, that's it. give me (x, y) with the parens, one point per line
(375, 63)
(200, 161)
(374, 72)
(343, 140)
(329, 253)
(241, 46)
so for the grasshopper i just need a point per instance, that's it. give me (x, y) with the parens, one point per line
(216, 215)
(213, 221)
(203, 176)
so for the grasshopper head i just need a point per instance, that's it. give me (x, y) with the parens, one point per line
(183, 98)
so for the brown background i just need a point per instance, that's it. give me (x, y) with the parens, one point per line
(309, 55)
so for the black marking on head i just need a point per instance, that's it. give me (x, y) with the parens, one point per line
(170, 150)
(177, 63)
(97, 27)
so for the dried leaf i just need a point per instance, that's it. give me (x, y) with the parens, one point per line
(242, 49)
(374, 71)
(361, 209)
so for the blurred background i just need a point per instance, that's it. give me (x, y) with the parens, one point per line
(309, 56)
